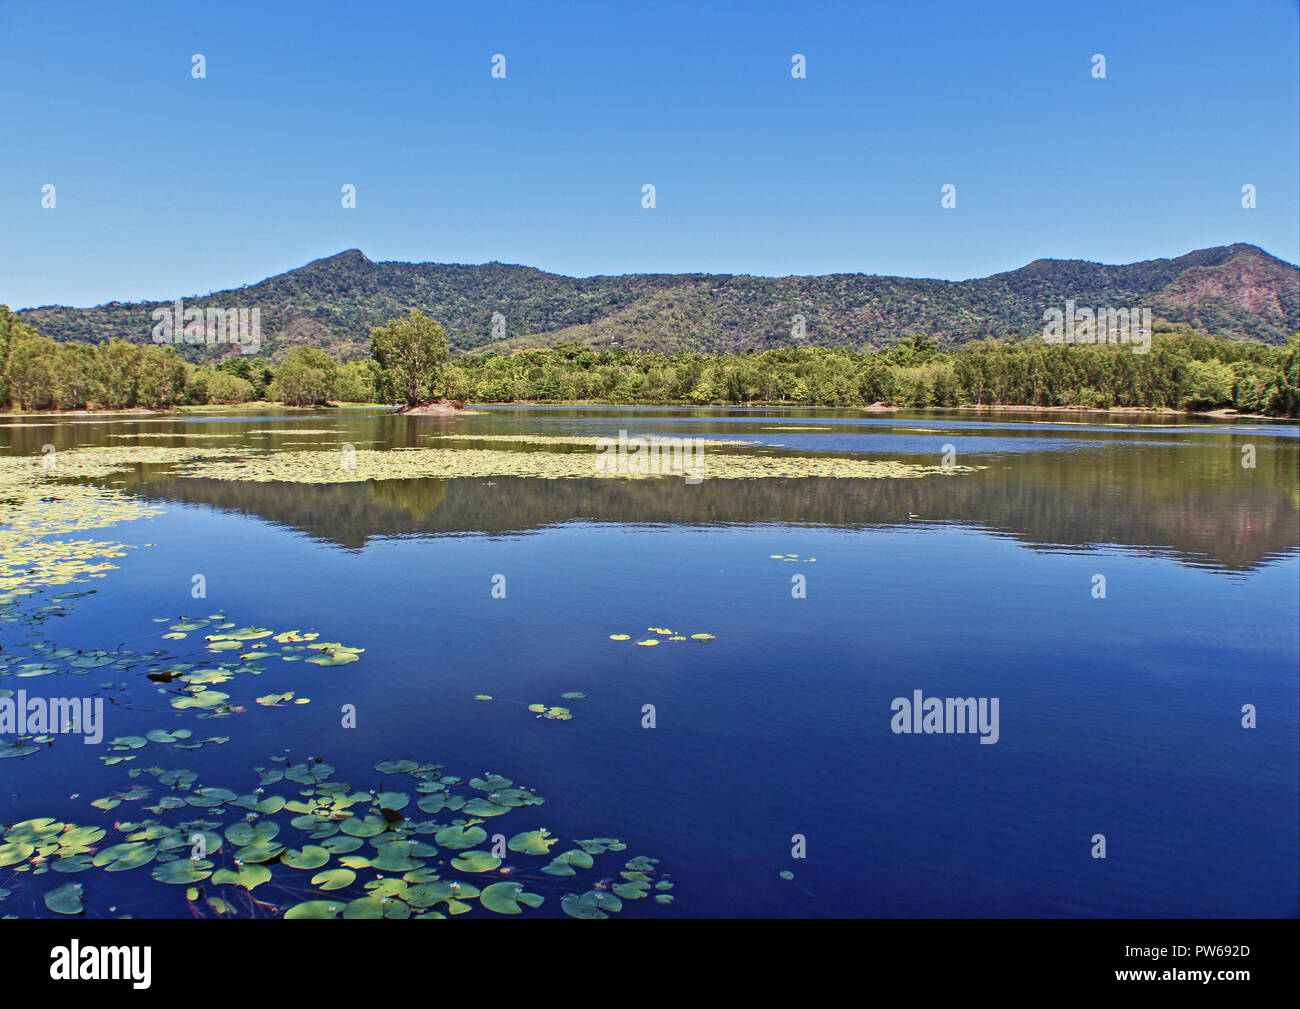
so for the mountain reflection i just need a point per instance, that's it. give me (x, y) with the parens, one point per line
(1160, 501)
(1175, 490)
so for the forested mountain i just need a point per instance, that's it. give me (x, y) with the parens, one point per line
(1236, 290)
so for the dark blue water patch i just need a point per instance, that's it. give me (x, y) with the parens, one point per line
(1118, 716)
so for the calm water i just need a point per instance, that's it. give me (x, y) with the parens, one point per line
(1119, 716)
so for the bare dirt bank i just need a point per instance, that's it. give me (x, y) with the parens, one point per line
(438, 408)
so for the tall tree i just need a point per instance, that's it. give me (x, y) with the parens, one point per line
(411, 352)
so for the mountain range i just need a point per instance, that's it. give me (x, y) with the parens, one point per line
(1235, 290)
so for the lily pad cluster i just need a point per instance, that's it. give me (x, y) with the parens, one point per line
(322, 466)
(34, 508)
(556, 712)
(654, 635)
(123, 748)
(315, 847)
(194, 687)
(639, 881)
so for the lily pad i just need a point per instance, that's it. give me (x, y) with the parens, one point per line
(121, 857)
(460, 836)
(182, 871)
(505, 898)
(315, 909)
(475, 861)
(532, 842)
(65, 899)
(334, 879)
(309, 857)
(249, 877)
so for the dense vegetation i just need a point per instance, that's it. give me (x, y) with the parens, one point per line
(334, 303)
(1183, 370)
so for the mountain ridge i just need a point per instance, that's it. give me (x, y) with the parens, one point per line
(1237, 290)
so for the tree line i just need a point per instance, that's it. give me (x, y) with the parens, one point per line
(409, 363)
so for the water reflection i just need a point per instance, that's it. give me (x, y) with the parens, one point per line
(1056, 485)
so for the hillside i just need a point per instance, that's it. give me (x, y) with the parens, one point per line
(1237, 290)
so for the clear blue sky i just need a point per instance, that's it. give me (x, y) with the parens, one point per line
(168, 186)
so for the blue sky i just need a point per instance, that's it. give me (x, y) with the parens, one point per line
(168, 186)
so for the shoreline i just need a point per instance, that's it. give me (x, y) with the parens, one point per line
(450, 410)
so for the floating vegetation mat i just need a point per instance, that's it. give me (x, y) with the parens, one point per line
(34, 508)
(415, 463)
(417, 843)
(94, 461)
(292, 428)
(356, 465)
(587, 442)
(174, 434)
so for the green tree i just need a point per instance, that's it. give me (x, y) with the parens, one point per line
(74, 376)
(117, 374)
(356, 382)
(253, 370)
(11, 327)
(306, 378)
(161, 378)
(1206, 385)
(29, 369)
(224, 387)
(411, 352)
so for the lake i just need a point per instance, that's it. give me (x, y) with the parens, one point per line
(1119, 699)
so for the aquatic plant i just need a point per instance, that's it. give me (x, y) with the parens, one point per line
(386, 864)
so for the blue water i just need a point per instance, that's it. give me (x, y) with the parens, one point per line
(1119, 716)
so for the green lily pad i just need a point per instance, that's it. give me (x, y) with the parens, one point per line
(460, 836)
(243, 834)
(262, 851)
(364, 907)
(505, 898)
(364, 826)
(338, 658)
(393, 800)
(315, 909)
(562, 864)
(190, 625)
(396, 766)
(634, 890)
(334, 879)
(475, 861)
(584, 906)
(532, 842)
(34, 831)
(249, 877)
(182, 871)
(13, 852)
(309, 857)
(65, 899)
(121, 857)
(342, 844)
